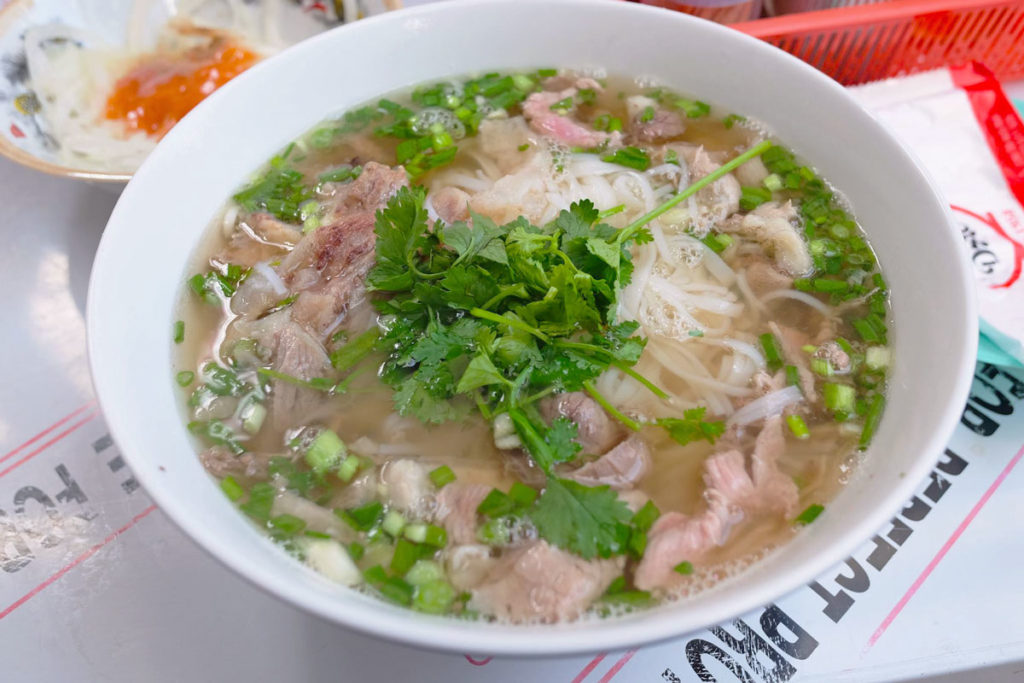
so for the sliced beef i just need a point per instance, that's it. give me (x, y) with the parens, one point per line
(719, 199)
(792, 342)
(774, 227)
(676, 538)
(662, 125)
(456, 510)
(501, 140)
(221, 462)
(732, 493)
(294, 352)
(370, 191)
(763, 277)
(539, 582)
(597, 431)
(564, 129)
(621, 468)
(451, 204)
(260, 238)
(327, 268)
(774, 491)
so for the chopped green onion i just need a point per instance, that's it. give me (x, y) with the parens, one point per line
(261, 500)
(405, 556)
(231, 488)
(695, 333)
(523, 147)
(753, 197)
(495, 504)
(637, 542)
(645, 517)
(792, 376)
(732, 119)
(563, 106)
(436, 536)
(424, 571)
(364, 517)
(871, 420)
(821, 367)
(773, 182)
(179, 331)
(798, 426)
(253, 415)
(184, 378)
(630, 157)
(288, 525)
(495, 532)
(341, 174)
(647, 115)
(434, 597)
(416, 533)
(586, 95)
(442, 475)
(393, 523)
(685, 568)
(326, 451)
(809, 515)
(839, 398)
(672, 157)
(844, 345)
(522, 494)
(877, 358)
(827, 285)
(348, 467)
(692, 108)
(772, 352)
(356, 550)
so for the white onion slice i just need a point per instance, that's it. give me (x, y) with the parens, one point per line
(766, 406)
(271, 276)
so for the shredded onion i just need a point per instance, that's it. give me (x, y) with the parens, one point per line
(271, 276)
(768, 405)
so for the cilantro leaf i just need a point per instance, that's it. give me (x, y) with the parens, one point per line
(692, 427)
(414, 397)
(561, 436)
(479, 373)
(587, 521)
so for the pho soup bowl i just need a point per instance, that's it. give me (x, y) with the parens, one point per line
(166, 209)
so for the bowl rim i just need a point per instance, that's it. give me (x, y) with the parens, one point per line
(456, 636)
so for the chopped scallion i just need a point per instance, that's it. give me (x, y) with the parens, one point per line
(685, 568)
(809, 515)
(798, 426)
(348, 467)
(184, 378)
(772, 352)
(326, 451)
(179, 331)
(840, 399)
(442, 475)
(393, 523)
(231, 488)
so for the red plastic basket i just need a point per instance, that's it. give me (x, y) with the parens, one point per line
(871, 42)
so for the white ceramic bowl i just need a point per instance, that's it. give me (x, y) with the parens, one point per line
(163, 212)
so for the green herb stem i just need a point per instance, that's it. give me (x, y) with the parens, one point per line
(611, 410)
(757, 150)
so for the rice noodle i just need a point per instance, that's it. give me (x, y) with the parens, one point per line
(802, 297)
(718, 268)
(768, 405)
(748, 294)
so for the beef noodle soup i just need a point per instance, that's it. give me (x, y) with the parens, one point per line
(533, 346)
